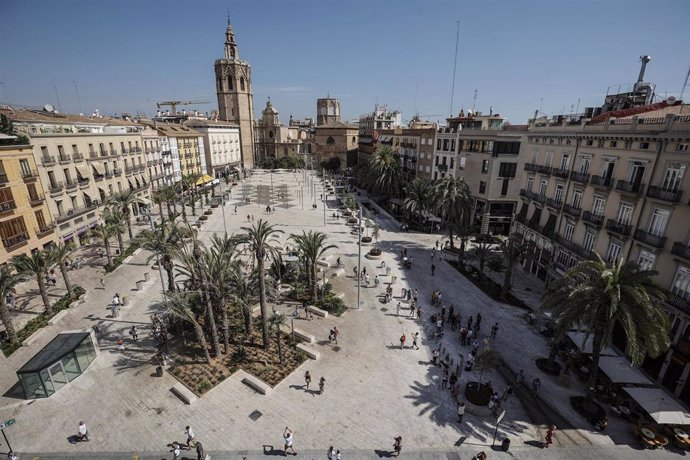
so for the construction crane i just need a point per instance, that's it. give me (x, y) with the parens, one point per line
(174, 104)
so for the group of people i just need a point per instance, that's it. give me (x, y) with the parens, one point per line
(307, 381)
(192, 443)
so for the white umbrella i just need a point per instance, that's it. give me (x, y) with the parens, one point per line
(660, 406)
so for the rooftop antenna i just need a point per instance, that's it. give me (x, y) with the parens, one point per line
(474, 101)
(455, 66)
(578, 105)
(416, 86)
(57, 97)
(76, 90)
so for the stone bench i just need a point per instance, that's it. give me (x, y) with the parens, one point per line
(323, 263)
(317, 311)
(303, 336)
(339, 272)
(54, 320)
(256, 384)
(340, 295)
(309, 351)
(32, 338)
(184, 393)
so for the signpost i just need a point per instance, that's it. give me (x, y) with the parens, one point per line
(498, 420)
(7, 424)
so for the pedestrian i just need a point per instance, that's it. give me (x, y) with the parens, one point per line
(354, 272)
(377, 282)
(508, 391)
(412, 307)
(463, 336)
(331, 453)
(536, 384)
(453, 381)
(444, 379)
(368, 280)
(397, 309)
(443, 316)
(419, 312)
(494, 331)
(200, 452)
(235, 209)
(307, 380)
(134, 333)
(322, 383)
(415, 336)
(402, 341)
(433, 269)
(408, 295)
(337, 455)
(469, 323)
(397, 445)
(479, 321)
(289, 440)
(434, 356)
(475, 347)
(249, 218)
(433, 253)
(176, 451)
(549, 437)
(190, 436)
(470, 333)
(461, 411)
(11, 455)
(336, 332)
(364, 271)
(102, 281)
(520, 378)
(415, 295)
(480, 456)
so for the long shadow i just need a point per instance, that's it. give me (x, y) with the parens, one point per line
(16, 391)
(383, 453)
(270, 450)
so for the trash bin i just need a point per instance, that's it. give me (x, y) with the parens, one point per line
(159, 371)
(147, 276)
(505, 445)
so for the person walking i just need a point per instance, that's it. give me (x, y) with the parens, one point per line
(337, 455)
(377, 281)
(433, 269)
(176, 451)
(200, 452)
(469, 323)
(461, 411)
(479, 321)
(444, 379)
(331, 453)
(415, 336)
(397, 445)
(367, 280)
(397, 309)
(549, 437)
(191, 440)
(494, 331)
(452, 381)
(307, 380)
(508, 391)
(463, 336)
(419, 312)
(412, 307)
(322, 383)
(289, 440)
(11, 455)
(403, 337)
(134, 333)
(336, 332)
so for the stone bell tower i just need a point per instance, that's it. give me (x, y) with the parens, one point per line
(235, 99)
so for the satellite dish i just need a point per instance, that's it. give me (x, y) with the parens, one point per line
(49, 108)
(671, 100)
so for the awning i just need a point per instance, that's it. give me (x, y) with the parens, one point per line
(99, 168)
(83, 171)
(203, 179)
(660, 405)
(620, 370)
(579, 337)
(365, 140)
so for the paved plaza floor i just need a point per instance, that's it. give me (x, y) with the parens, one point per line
(374, 391)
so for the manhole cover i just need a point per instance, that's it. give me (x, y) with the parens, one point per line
(336, 348)
(255, 415)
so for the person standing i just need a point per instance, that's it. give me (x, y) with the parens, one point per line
(463, 336)
(508, 391)
(419, 312)
(403, 337)
(494, 331)
(397, 445)
(322, 384)
(397, 309)
(190, 436)
(307, 380)
(176, 451)
(200, 452)
(134, 333)
(479, 321)
(469, 323)
(415, 336)
(549, 437)
(289, 440)
(461, 411)
(453, 380)
(337, 455)
(433, 269)
(336, 332)
(331, 453)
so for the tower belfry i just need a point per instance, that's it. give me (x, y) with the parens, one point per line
(235, 98)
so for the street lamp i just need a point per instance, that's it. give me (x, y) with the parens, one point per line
(359, 257)
(222, 206)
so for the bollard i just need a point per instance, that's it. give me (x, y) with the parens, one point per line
(147, 276)
(140, 285)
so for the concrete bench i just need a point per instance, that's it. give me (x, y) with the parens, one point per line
(184, 393)
(341, 295)
(53, 321)
(339, 272)
(255, 384)
(309, 351)
(317, 311)
(32, 338)
(303, 336)
(323, 263)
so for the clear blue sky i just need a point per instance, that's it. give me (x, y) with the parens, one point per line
(125, 55)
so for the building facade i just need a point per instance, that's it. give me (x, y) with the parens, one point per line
(235, 99)
(160, 174)
(186, 150)
(274, 140)
(25, 220)
(370, 125)
(327, 111)
(222, 146)
(335, 139)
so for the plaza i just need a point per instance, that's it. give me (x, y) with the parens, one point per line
(374, 391)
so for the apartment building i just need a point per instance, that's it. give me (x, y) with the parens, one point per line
(186, 147)
(159, 171)
(616, 185)
(25, 221)
(81, 162)
(222, 146)
(370, 125)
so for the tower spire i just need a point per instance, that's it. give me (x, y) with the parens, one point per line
(231, 52)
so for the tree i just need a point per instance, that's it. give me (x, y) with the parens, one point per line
(452, 200)
(483, 250)
(311, 246)
(158, 198)
(124, 201)
(262, 239)
(485, 360)
(418, 196)
(189, 184)
(6, 127)
(161, 242)
(220, 266)
(104, 232)
(180, 306)
(59, 254)
(597, 295)
(277, 320)
(36, 264)
(241, 294)
(495, 264)
(465, 233)
(513, 248)
(385, 173)
(116, 220)
(8, 281)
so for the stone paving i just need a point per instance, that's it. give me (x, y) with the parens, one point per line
(374, 390)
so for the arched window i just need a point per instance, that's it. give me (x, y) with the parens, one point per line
(270, 134)
(354, 139)
(330, 141)
(230, 82)
(242, 83)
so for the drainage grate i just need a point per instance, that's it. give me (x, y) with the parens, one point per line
(255, 415)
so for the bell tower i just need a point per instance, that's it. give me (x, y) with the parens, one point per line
(235, 99)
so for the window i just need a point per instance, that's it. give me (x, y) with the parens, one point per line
(613, 144)
(559, 193)
(657, 223)
(330, 141)
(682, 147)
(542, 188)
(569, 230)
(673, 177)
(681, 283)
(482, 187)
(598, 206)
(584, 165)
(452, 145)
(565, 162)
(624, 214)
(589, 143)
(577, 199)
(504, 187)
(646, 260)
(438, 144)
(549, 159)
(485, 166)
(445, 145)
(241, 83)
(530, 182)
(614, 252)
(644, 145)
(590, 240)
(507, 169)
(25, 168)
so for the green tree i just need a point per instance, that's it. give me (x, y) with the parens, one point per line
(483, 250)
(512, 248)
(180, 305)
(158, 198)
(104, 232)
(277, 320)
(262, 239)
(495, 264)
(465, 233)
(6, 127)
(452, 200)
(596, 295)
(59, 254)
(8, 282)
(241, 295)
(161, 242)
(124, 202)
(385, 175)
(189, 184)
(116, 220)
(311, 246)
(418, 197)
(37, 265)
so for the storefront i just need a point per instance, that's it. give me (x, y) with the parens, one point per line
(65, 358)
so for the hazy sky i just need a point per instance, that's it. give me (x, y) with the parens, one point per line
(126, 55)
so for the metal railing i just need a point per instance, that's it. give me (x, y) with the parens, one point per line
(681, 249)
(595, 219)
(48, 160)
(558, 172)
(672, 196)
(601, 181)
(530, 167)
(618, 227)
(8, 205)
(579, 177)
(650, 239)
(572, 210)
(15, 240)
(625, 186)
(64, 159)
(35, 199)
(77, 157)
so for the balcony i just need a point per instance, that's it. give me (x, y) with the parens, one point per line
(530, 167)
(678, 302)
(3, 178)
(57, 188)
(71, 184)
(575, 248)
(166, 152)
(538, 197)
(601, 181)
(64, 159)
(29, 175)
(7, 206)
(14, 241)
(572, 211)
(558, 172)
(618, 227)
(108, 175)
(44, 230)
(93, 156)
(113, 153)
(579, 177)
(649, 239)
(544, 169)
(594, 219)
(554, 203)
(98, 177)
(681, 250)
(77, 157)
(36, 199)
(48, 160)
(104, 153)
(72, 213)
(672, 196)
(136, 150)
(129, 171)
(525, 193)
(117, 172)
(83, 183)
(125, 151)
(629, 187)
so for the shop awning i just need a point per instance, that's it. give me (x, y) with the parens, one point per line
(204, 179)
(99, 168)
(585, 347)
(660, 405)
(83, 171)
(620, 370)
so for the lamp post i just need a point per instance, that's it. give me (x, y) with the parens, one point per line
(323, 189)
(222, 206)
(359, 257)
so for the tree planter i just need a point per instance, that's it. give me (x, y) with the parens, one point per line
(208, 212)
(351, 220)
(451, 256)
(548, 367)
(214, 205)
(366, 239)
(477, 394)
(203, 217)
(374, 253)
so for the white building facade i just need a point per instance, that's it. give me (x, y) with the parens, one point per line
(222, 147)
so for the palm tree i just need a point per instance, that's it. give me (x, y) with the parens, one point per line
(8, 281)
(220, 266)
(385, 173)
(483, 250)
(161, 242)
(513, 249)
(114, 218)
(36, 264)
(418, 196)
(464, 233)
(59, 254)
(104, 232)
(311, 245)
(189, 183)
(277, 320)
(241, 294)
(596, 295)
(180, 306)
(124, 201)
(453, 201)
(262, 238)
(158, 198)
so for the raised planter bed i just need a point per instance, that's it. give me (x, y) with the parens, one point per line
(477, 394)
(204, 217)
(548, 367)
(208, 212)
